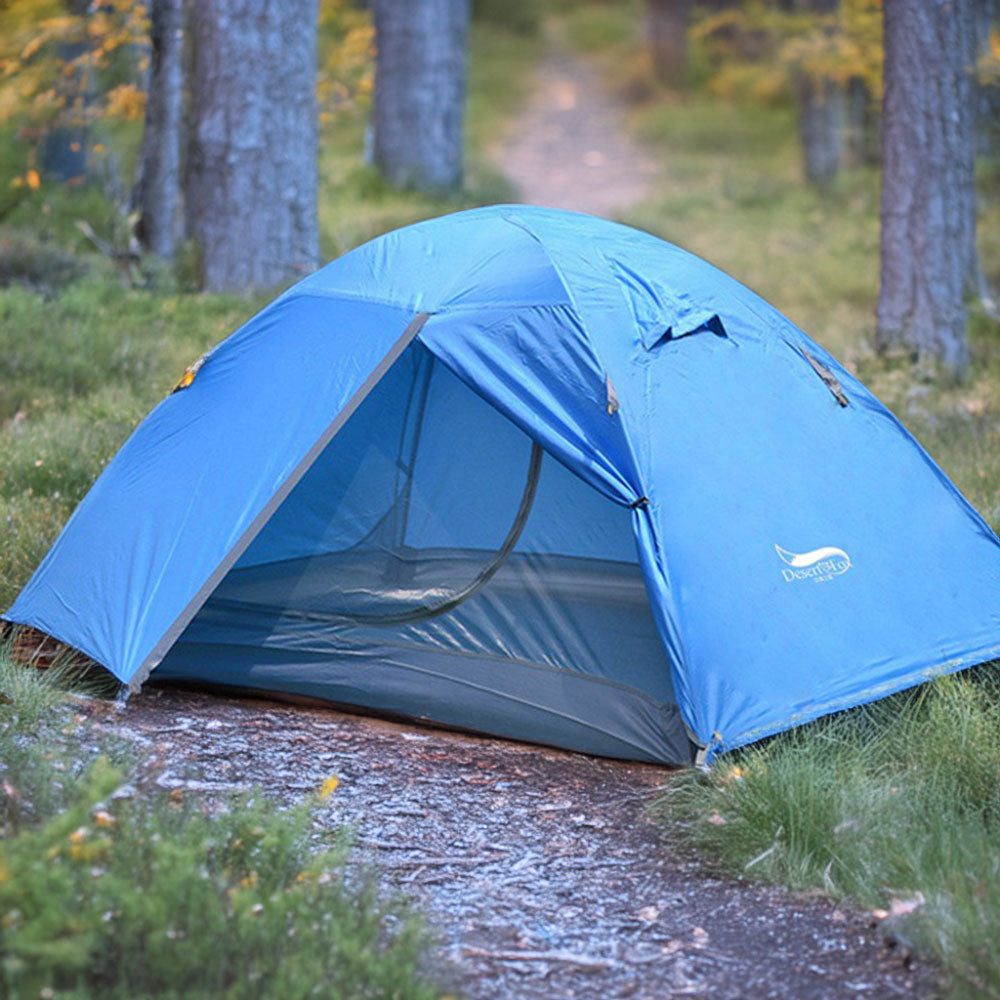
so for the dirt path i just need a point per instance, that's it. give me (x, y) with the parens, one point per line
(540, 869)
(568, 149)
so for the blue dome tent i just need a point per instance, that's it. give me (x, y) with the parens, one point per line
(534, 474)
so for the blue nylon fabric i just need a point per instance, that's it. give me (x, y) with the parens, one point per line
(799, 556)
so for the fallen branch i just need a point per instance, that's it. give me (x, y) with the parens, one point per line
(565, 957)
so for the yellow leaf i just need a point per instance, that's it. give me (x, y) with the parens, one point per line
(328, 787)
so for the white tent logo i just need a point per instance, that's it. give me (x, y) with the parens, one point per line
(819, 565)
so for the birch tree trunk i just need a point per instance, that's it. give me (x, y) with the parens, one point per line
(420, 91)
(928, 248)
(158, 194)
(251, 182)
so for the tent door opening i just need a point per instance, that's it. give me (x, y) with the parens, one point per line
(435, 563)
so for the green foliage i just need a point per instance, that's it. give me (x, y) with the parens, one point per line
(522, 17)
(346, 41)
(134, 894)
(34, 263)
(599, 27)
(356, 204)
(897, 800)
(761, 48)
(142, 896)
(111, 888)
(900, 797)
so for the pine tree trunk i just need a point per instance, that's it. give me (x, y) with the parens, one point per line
(821, 124)
(420, 91)
(821, 110)
(251, 183)
(928, 209)
(158, 195)
(667, 23)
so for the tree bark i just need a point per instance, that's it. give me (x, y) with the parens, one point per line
(928, 248)
(420, 91)
(667, 23)
(158, 194)
(251, 182)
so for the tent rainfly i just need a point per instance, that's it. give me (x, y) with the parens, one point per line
(533, 474)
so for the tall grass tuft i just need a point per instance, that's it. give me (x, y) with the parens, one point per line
(894, 804)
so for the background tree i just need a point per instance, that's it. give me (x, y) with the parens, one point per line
(928, 249)
(63, 68)
(158, 186)
(666, 26)
(420, 92)
(827, 54)
(250, 197)
(820, 97)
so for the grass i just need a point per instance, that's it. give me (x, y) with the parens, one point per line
(78, 370)
(729, 188)
(895, 805)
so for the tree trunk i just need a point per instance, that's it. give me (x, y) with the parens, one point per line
(64, 149)
(251, 182)
(928, 208)
(420, 91)
(667, 23)
(821, 123)
(158, 195)
(988, 94)
(821, 110)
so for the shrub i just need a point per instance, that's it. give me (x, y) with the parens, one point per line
(140, 896)
(36, 264)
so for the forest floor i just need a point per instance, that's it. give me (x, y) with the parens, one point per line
(541, 871)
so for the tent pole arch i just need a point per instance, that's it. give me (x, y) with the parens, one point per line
(204, 592)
